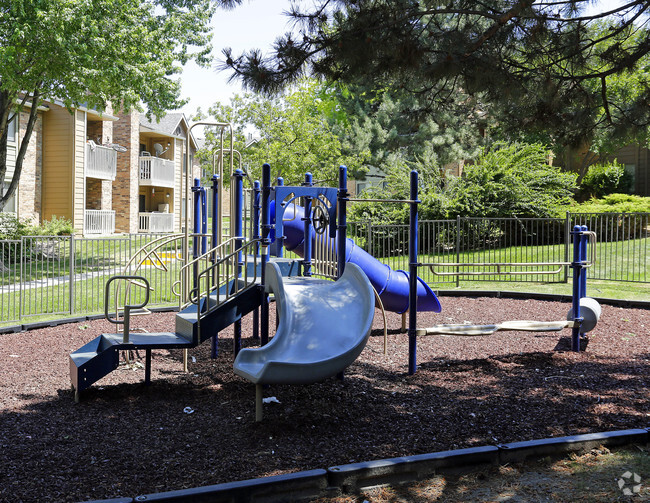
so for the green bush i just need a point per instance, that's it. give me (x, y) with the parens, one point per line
(511, 180)
(54, 227)
(603, 179)
(614, 203)
(11, 227)
(625, 224)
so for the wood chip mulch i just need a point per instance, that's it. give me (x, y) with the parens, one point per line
(195, 429)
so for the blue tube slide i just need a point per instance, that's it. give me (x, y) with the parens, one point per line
(392, 286)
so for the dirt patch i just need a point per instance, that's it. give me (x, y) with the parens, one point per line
(599, 476)
(128, 439)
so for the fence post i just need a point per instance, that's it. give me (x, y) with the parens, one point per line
(413, 272)
(369, 242)
(457, 251)
(22, 278)
(71, 282)
(567, 244)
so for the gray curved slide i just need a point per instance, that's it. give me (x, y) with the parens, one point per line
(324, 326)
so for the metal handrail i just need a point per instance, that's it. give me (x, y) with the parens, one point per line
(127, 307)
(232, 273)
(195, 295)
(214, 252)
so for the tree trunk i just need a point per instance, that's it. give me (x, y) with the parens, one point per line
(4, 129)
(24, 144)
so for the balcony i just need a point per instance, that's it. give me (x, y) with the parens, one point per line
(156, 222)
(156, 172)
(101, 162)
(99, 222)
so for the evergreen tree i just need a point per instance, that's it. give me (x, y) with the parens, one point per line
(542, 68)
(402, 129)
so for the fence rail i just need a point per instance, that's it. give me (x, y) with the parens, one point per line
(66, 275)
(43, 275)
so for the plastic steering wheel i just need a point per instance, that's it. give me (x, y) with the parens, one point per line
(320, 219)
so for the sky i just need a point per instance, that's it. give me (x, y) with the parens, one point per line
(253, 25)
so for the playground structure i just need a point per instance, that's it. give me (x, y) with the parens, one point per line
(226, 279)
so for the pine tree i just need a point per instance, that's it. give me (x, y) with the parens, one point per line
(539, 67)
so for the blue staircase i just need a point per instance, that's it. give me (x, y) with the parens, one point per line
(194, 325)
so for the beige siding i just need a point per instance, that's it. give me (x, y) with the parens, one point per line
(57, 164)
(179, 192)
(78, 174)
(11, 161)
(12, 152)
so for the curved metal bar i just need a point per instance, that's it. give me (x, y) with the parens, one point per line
(499, 265)
(383, 313)
(127, 307)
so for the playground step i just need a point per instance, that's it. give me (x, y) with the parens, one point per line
(100, 356)
(288, 266)
(223, 316)
(234, 308)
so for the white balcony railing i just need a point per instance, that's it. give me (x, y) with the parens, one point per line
(101, 162)
(156, 222)
(157, 172)
(99, 221)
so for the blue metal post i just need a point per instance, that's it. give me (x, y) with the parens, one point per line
(239, 206)
(341, 227)
(204, 220)
(576, 265)
(214, 344)
(584, 239)
(257, 201)
(196, 189)
(306, 262)
(413, 273)
(266, 228)
(342, 224)
(279, 240)
(215, 212)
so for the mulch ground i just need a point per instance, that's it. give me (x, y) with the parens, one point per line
(195, 429)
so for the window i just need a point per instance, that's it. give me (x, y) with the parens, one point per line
(10, 207)
(11, 129)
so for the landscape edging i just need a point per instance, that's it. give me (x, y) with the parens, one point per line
(354, 477)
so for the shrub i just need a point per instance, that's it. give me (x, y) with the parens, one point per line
(625, 223)
(11, 227)
(604, 179)
(512, 180)
(54, 227)
(614, 203)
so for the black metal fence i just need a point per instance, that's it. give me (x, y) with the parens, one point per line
(58, 275)
(479, 248)
(66, 275)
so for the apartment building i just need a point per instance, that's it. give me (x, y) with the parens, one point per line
(106, 172)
